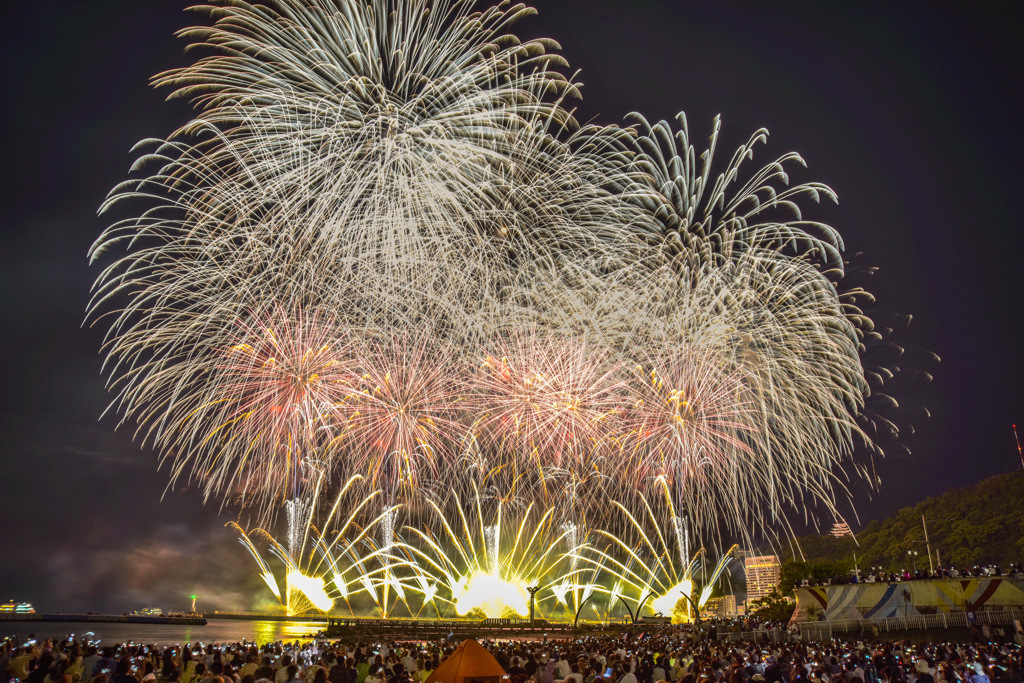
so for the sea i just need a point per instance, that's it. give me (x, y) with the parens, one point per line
(214, 631)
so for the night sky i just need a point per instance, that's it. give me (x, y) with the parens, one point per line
(911, 112)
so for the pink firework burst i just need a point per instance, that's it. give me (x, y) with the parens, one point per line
(402, 417)
(549, 397)
(686, 420)
(276, 397)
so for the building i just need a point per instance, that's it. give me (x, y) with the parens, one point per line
(763, 573)
(724, 606)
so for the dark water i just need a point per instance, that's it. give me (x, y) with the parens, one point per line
(215, 631)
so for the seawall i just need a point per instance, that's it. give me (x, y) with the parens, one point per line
(907, 598)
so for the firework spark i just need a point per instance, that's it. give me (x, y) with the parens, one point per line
(652, 563)
(271, 383)
(402, 421)
(323, 565)
(486, 564)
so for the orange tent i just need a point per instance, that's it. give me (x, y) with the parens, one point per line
(470, 663)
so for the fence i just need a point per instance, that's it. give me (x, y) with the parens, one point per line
(826, 630)
(943, 620)
(767, 636)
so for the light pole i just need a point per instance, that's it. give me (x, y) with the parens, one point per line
(913, 556)
(532, 590)
(924, 525)
(632, 619)
(640, 605)
(577, 619)
(696, 610)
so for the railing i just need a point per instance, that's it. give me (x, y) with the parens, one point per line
(825, 629)
(338, 625)
(372, 620)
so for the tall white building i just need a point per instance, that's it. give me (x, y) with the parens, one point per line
(763, 573)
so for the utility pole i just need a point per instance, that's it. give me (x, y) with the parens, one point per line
(1019, 452)
(924, 525)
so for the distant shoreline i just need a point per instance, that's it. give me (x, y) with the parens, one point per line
(190, 620)
(263, 616)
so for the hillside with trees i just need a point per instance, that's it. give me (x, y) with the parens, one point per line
(981, 524)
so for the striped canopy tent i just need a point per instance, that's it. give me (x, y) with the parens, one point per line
(470, 663)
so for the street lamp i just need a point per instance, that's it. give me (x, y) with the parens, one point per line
(696, 609)
(913, 556)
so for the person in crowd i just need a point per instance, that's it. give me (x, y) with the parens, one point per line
(376, 674)
(282, 674)
(264, 670)
(292, 674)
(976, 673)
(123, 672)
(399, 674)
(429, 664)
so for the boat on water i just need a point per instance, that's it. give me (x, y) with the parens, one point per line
(11, 607)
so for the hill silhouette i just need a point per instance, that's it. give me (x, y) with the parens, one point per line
(980, 524)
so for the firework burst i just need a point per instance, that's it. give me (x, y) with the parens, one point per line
(463, 274)
(686, 418)
(402, 422)
(552, 397)
(251, 405)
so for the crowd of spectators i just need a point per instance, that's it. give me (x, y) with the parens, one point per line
(669, 654)
(876, 575)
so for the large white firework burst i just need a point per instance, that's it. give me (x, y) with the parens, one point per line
(485, 280)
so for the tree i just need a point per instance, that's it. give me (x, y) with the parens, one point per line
(774, 607)
(977, 525)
